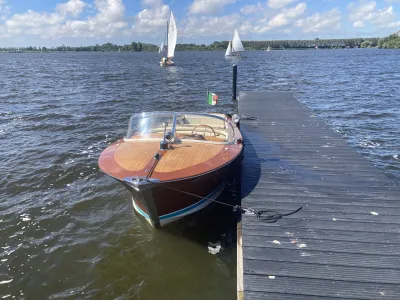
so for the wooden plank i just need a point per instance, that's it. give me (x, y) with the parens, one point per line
(239, 275)
(321, 271)
(286, 296)
(380, 248)
(186, 155)
(135, 156)
(344, 244)
(324, 258)
(310, 223)
(329, 235)
(322, 287)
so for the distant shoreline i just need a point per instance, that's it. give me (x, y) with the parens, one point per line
(390, 42)
(188, 50)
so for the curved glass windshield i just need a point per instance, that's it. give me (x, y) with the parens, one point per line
(149, 125)
(180, 127)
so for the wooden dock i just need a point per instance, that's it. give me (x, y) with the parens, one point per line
(345, 242)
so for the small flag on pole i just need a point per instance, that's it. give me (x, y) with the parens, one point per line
(212, 99)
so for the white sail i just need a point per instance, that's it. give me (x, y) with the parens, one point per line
(172, 36)
(237, 45)
(161, 49)
(229, 50)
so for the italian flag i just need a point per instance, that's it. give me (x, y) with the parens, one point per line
(212, 98)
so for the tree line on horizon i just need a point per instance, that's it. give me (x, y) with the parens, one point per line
(392, 41)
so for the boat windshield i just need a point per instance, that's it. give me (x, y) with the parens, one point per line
(181, 127)
(149, 125)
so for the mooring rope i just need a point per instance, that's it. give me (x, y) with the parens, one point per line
(248, 118)
(268, 215)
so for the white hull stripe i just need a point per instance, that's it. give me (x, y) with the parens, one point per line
(182, 212)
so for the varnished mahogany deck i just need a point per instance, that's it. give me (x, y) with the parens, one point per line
(134, 156)
(186, 155)
(191, 155)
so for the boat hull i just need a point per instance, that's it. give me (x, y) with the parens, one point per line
(164, 202)
(169, 63)
(169, 183)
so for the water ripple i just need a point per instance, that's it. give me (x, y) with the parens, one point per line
(67, 231)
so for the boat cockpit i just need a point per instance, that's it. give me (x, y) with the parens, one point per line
(179, 127)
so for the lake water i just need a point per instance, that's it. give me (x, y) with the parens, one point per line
(69, 231)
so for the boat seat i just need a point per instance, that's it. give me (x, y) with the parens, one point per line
(221, 133)
(199, 120)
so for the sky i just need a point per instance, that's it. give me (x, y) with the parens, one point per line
(87, 22)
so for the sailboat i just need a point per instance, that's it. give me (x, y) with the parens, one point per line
(168, 50)
(235, 46)
(268, 49)
(162, 50)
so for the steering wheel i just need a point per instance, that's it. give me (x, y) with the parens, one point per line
(206, 126)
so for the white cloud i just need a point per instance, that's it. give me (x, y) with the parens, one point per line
(246, 27)
(4, 10)
(252, 9)
(320, 22)
(73, 7)
(285, 17)
(147, 3)
(383, 17)
(108, 21)
(365, 11)
(279, 3)
(109, 18)
(151, 20)
(359, 11)
(278, 21)
(208, 6)
(358, 24)
(296, 11)
(211, 26)
(32, 22)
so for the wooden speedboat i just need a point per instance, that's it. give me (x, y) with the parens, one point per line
(174, 164)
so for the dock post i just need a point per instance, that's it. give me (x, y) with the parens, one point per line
(234, 81)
